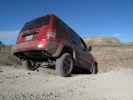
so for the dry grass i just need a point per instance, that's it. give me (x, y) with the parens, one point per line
(6, 56)
(108, 57)
(113, 57)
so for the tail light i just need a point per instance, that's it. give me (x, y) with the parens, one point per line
(40, 45)
(50, 35)
(44, 37)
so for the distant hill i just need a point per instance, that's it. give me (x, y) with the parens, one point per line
(102, 41)
(130, 43)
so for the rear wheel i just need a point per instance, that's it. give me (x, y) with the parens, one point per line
(64, 65)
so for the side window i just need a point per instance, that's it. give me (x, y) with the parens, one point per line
(75, 38)
(36, 23)
(60, 28)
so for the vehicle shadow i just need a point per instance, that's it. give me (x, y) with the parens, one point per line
(78, 70)
(75, 71)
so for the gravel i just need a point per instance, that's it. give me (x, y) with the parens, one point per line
(19, 84)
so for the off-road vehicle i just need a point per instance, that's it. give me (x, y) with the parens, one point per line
(49, 39)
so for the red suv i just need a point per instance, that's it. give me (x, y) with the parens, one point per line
(48, 39)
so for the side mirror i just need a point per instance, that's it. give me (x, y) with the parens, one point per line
(90, 48)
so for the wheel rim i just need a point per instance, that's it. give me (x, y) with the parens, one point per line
(92, 68)
(67, 65)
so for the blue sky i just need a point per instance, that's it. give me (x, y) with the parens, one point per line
(87, 17)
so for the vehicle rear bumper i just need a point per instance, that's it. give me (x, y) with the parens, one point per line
(28, 46)
(38, 55)
(32, 51)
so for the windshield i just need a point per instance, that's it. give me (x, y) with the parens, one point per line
(36, 23)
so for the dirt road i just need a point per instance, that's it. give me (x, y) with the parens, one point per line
(21, 84)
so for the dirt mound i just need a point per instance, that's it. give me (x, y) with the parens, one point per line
(102, 41)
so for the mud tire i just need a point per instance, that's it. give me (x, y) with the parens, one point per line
(64, 65)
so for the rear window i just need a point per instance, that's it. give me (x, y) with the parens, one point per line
(36, 23)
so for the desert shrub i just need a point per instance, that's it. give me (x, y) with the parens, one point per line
(6, 56)
(1, 43)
